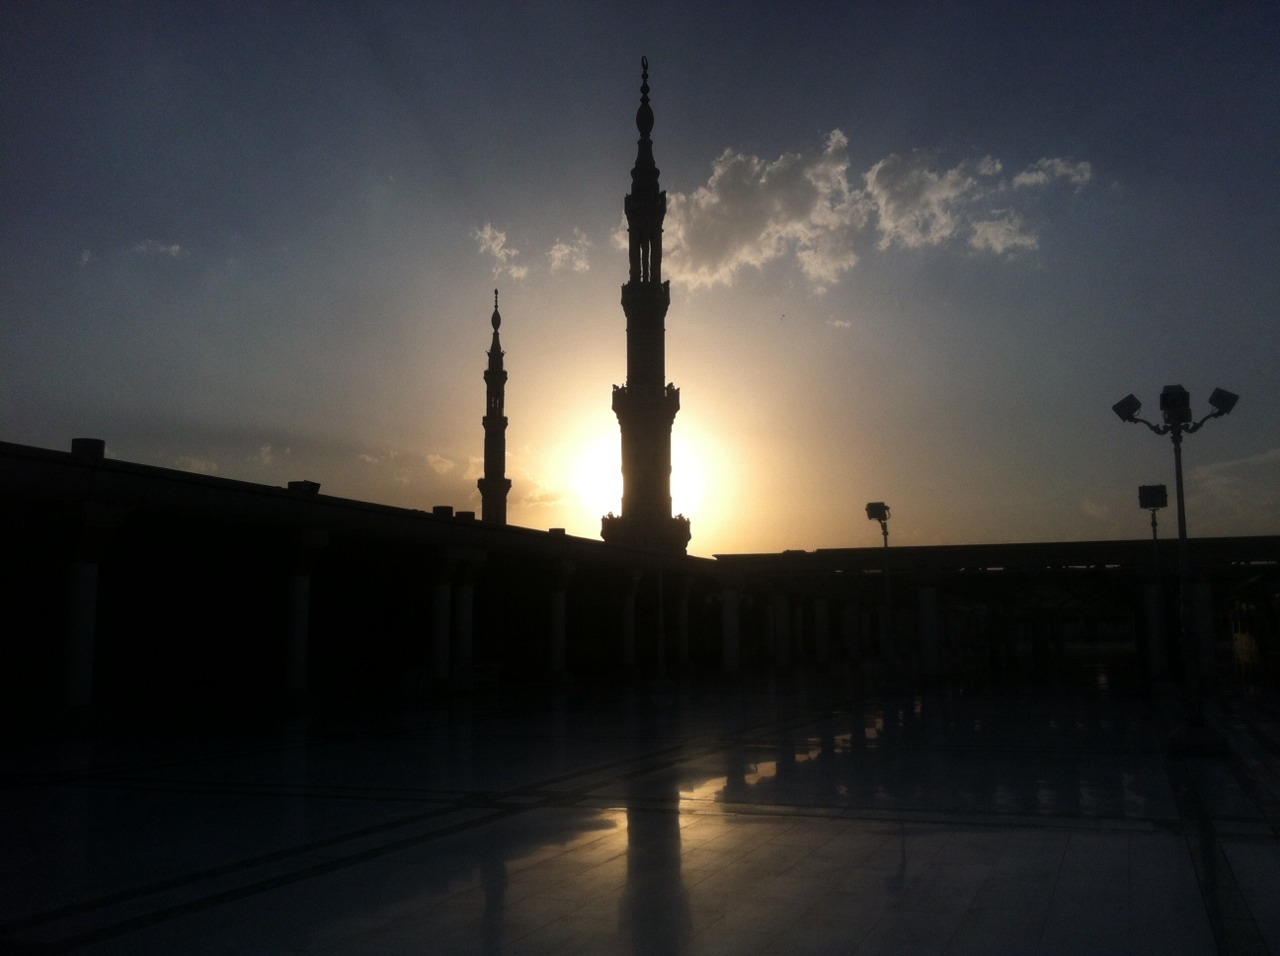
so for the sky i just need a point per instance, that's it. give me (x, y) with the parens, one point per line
(916, 252)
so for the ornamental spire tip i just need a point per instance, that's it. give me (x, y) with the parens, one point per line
(644, 115)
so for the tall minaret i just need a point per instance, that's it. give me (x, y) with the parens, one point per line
(494, 485)
(646, 406)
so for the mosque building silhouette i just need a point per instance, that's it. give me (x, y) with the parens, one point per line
(252, 718)
(289, 597)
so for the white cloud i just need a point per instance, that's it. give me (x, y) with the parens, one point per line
(1241, 496)
(752, 211)
(1044, 171)
(493, 242)
(1002, 235)
(572, 254)
(439, 464)
(149, 247)
(405, 468)
(541, 497)
(1095, 510)
(919, 205)
(203, 466)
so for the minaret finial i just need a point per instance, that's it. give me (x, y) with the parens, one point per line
(496, 319)
(644, 115)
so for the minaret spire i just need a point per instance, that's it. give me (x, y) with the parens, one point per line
(495, 484)
(645, 406)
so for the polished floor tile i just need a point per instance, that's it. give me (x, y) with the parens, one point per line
(748, 819)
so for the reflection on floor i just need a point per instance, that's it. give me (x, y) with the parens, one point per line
(779, 818)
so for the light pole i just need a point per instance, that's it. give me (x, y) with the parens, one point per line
(879, 511)
(1175, 404)
(1152, 498)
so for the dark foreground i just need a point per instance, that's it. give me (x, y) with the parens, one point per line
(766, 818)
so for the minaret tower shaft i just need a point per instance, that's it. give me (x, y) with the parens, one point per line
(646, 405)
(495, 484)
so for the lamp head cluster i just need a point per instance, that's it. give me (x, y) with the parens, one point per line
(877, 511)
(1175, 406)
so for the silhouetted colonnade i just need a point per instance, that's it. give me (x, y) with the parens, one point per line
(133, 587)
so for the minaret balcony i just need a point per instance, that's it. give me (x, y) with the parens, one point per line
(646, 298)
(631, 405)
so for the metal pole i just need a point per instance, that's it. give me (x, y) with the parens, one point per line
(1156, 632)
(887, 625)
(1190, 650)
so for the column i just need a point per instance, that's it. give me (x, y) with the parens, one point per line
(821, 630)
(683, 585)
(561, 573)
(466, 567)
(97, 524)
(1153, 605)
(780, 630)
(930, 639)
(730, 629)
(1203, 623)
(441, 618)
(849, 631)
(799, 647)
(307, 544)
(628, 621)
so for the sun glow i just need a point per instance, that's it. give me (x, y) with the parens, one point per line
(595, 476)
(595, 480)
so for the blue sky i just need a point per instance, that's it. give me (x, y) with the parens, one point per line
(917, 251)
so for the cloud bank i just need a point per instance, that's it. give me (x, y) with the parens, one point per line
(1241, 496)
(572, 255)
(752, 211)
(493, 242)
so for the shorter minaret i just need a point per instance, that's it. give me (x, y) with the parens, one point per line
(495, 484)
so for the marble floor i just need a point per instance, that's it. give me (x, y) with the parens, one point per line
(777, 817)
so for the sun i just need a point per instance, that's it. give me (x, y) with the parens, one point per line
(595, 476)
(688, 476)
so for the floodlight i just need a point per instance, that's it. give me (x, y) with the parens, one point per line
(1223, 401)
(1127, 408)
(1152, 496)
(1175, 402)
(877, 511)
